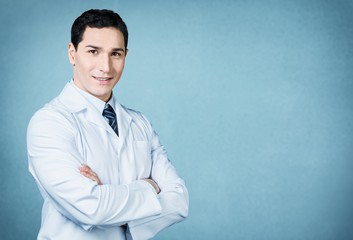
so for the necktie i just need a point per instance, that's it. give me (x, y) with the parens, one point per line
(109, 113)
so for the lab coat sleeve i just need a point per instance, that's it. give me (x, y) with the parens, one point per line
(173, 197)
(54, 162)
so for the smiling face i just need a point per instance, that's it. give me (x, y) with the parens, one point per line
(98, 61)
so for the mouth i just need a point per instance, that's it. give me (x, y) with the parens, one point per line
(102, 80)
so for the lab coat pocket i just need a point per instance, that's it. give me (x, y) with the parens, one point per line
(142, 157)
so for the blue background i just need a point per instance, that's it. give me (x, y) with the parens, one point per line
(252, 99)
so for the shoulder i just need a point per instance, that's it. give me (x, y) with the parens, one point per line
(53, 116)
(136, 116)
(59, 108)
(53, 109)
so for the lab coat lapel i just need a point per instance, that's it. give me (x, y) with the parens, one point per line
(78, 105)
(92, 115)
(124, 121)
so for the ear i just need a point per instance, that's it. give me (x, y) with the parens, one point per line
(71, 53)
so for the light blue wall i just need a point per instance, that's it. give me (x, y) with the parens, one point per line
(253, 100)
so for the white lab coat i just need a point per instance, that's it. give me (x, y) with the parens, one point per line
(68, 132)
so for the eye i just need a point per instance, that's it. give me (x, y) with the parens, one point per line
(116, 54)
(93, 51)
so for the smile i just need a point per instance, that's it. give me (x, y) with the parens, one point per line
(102, 78)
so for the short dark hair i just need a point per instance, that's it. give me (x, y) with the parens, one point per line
(95, 18)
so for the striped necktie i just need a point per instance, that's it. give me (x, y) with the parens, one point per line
(109, 113)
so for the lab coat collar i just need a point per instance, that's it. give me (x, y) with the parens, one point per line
(77, 104)
(72, 100)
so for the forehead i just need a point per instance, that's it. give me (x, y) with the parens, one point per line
(103, 37)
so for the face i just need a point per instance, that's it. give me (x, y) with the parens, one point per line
(98, 61)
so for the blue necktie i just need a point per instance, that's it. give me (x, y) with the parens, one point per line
(109, 113)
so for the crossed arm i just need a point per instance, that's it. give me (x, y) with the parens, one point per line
(86, 171)
(54, 161)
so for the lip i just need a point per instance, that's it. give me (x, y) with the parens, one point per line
(102, 80)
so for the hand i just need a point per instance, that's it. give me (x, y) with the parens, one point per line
(86, 171)
(154, 184)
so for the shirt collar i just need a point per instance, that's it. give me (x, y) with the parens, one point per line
(96, 102)
(111, 102)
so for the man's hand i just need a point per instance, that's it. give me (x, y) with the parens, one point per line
(154, 184)
(86, 171)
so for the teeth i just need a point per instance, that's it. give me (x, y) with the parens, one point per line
(101, 78)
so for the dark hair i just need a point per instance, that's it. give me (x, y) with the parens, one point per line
(95, 18)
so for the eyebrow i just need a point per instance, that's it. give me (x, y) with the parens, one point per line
(99, 48)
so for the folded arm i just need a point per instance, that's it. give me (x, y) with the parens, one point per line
(86, 171)
(171, 189)
(173, 197)
(54, 162)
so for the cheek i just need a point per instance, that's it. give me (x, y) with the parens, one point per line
(85, 65)
(119, 66)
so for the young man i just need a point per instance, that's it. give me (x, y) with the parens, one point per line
(100, 167)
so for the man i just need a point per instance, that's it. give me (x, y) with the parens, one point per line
(100, 167)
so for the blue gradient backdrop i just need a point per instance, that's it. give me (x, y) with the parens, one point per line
(253, 100)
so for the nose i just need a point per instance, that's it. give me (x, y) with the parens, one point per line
(105, 63)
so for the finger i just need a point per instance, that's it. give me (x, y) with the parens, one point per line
(93, 177)
(89, 173)
(85, 167)
(154, 184)
(87, 170)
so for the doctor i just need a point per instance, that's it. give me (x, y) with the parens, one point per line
(100, 166)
